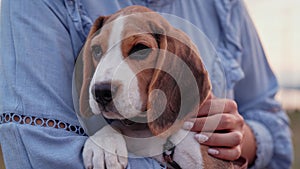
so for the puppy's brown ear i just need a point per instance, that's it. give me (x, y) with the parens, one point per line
(85, 68)
(181, 76)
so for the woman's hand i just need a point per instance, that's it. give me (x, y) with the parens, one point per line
(223, 129)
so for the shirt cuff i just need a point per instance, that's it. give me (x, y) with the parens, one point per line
(264, 144)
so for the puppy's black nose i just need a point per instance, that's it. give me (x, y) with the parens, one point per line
(103, 93)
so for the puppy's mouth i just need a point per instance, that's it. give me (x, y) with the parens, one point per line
(110, 114)
(140, 118)
(127, 122)
(135, 120)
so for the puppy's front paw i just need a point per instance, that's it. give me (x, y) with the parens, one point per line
(105, 149)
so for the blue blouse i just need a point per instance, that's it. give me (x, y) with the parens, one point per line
(39, 44)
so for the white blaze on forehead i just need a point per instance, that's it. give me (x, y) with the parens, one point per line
(113, 68)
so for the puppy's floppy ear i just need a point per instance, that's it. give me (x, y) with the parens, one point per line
(85, 68)
(181, 75)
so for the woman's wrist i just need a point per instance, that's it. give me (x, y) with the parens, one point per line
(248, 144)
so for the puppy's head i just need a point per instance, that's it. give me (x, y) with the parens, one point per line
(135, 64)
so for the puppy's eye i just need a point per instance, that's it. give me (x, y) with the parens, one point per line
(96, 52)
(139, 52)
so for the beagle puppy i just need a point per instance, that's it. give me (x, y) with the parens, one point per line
(147, 78)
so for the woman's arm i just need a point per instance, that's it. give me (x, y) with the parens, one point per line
(263, 134)
(255, 97)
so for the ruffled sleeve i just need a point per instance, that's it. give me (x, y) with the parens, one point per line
(229, 49)
(81, 21)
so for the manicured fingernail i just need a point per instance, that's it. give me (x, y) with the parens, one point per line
(187, 125)
(213, 151)
(201, 138)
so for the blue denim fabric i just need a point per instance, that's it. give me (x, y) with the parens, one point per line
(38, 47)
(39, 44)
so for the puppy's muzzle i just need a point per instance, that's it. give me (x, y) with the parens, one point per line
(104, 93)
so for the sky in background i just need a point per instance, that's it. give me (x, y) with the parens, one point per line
(278, 24)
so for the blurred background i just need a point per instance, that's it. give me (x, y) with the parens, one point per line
(278, 24)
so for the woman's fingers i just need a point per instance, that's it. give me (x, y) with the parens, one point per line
(216, 122)
(221, 128)
(216, 106)
(230, 154)
(231, 139)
